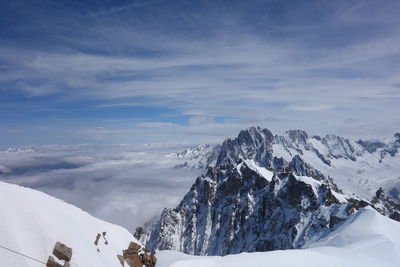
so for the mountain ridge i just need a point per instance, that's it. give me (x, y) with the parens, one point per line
(329, 156)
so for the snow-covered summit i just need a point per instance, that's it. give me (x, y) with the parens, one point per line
(200, 156)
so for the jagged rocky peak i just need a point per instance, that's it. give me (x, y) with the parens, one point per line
(317, 137)
(252, 142)
(339, 147)
(386, 205)
(254, 136)
(245, 207)
(384, 148)
(296, 136)
(371, 145)
(277, 151)
(397, 142)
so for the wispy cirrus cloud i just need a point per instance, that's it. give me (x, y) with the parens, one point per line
(317, 107)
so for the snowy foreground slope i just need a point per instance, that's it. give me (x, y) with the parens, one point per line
(31, 222)
(364, 239)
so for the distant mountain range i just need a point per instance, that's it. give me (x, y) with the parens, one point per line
(357, 166)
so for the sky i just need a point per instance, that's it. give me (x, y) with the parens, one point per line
(187, 72)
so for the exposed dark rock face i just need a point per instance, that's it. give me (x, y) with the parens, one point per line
(339, 147)
(371, 146)
(254, 142)
(386, 205)
(300, 167)
(235, 209)
(317, 137)
(394, 193)
(139, 232)
(395, 216)
(296, 136)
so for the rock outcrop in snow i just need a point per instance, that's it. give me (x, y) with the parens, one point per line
(137, 255)
(62, 253)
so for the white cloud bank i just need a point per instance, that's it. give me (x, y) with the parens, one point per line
(116, 183)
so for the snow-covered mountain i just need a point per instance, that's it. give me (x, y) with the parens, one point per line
(365, 239)
(249, 208)
(31, 222)
(263, 195)
(198, 157)
(357, 166)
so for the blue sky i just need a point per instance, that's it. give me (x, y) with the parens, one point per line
(196, 71)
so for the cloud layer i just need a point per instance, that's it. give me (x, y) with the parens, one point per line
(116, 183)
